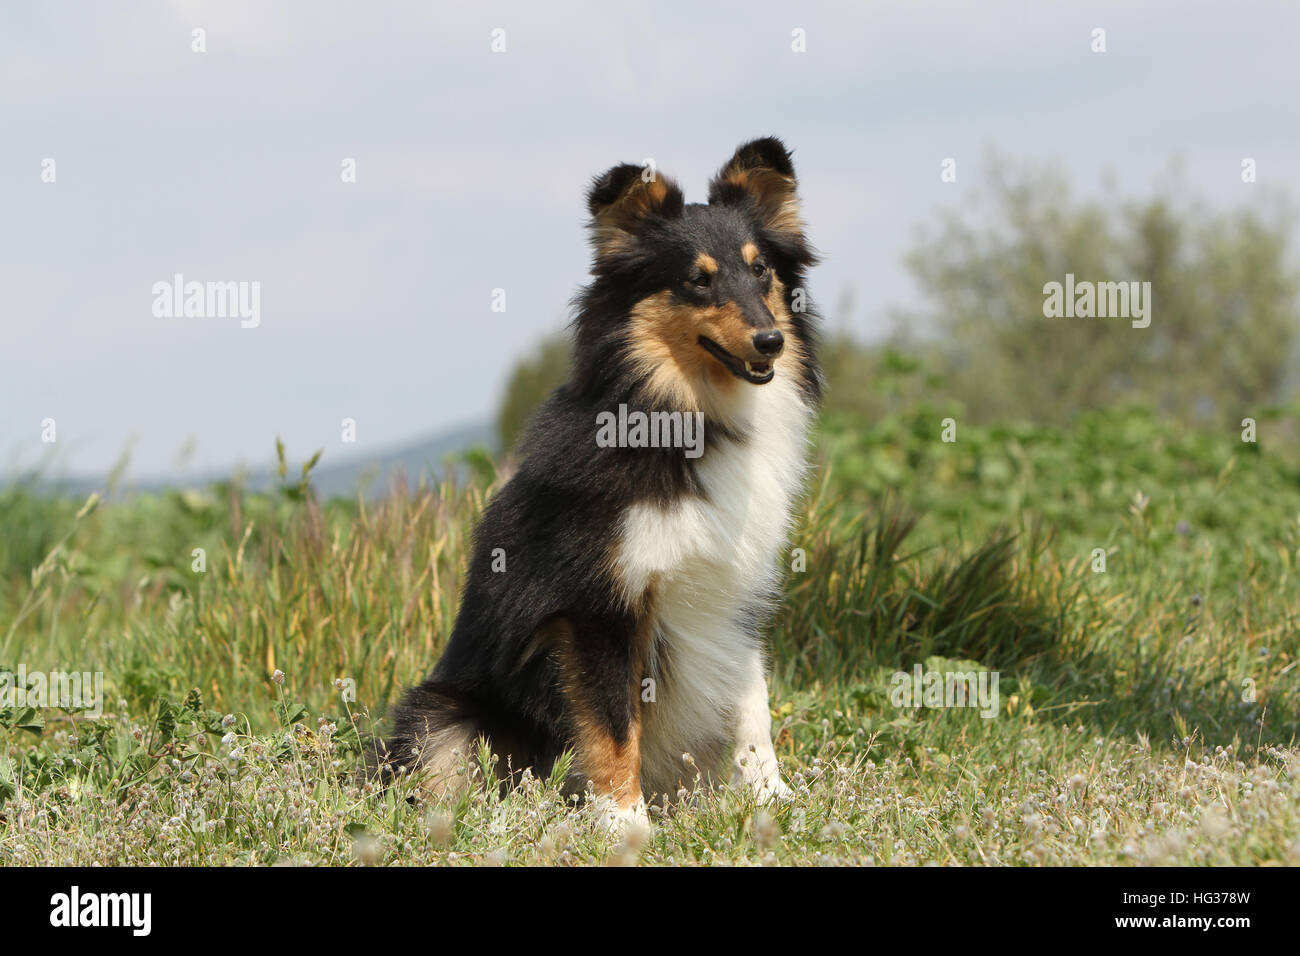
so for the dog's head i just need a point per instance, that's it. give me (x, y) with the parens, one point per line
(712, 290)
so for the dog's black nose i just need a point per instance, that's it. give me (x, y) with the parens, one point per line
(769, 341)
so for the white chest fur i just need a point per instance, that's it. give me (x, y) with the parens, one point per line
(710, 560)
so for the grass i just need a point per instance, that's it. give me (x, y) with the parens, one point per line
(1147, 714)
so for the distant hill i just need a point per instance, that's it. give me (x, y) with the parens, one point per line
(334, 476)
(372, 475)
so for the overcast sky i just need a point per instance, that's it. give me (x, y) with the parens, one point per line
(470, 170)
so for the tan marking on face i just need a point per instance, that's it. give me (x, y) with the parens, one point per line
(665, 346)
(749, 252)
(726, 326)
(775, 300)
(707, 263)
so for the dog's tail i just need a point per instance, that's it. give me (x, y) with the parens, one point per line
(433, 733)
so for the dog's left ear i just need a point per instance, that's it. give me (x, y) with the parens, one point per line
(762, 175)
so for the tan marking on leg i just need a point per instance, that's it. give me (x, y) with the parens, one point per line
(614, 769)
(613, 766)
(545, 639)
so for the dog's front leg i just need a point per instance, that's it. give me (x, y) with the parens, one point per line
(754, 760)
(601, 663)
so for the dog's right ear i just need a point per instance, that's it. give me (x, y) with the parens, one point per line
(623, 199)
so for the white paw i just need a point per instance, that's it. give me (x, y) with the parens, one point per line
(773, 790)
(620, 821)
(760, 772)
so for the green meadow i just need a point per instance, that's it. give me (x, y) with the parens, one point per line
(1104, 518)
(1147, 712)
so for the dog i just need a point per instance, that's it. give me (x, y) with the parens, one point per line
(617, 588)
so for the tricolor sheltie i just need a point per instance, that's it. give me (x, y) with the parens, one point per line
(618, 588)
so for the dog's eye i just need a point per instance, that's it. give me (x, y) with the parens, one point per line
(759, 269)
(702, 280)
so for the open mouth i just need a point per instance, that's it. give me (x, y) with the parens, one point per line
(756, 373)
